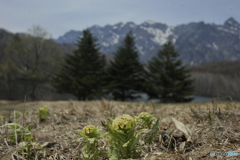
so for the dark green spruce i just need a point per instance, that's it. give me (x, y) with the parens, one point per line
(168, 79)
(82, 73)
(125, 72)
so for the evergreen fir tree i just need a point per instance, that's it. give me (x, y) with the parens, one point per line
(125, 72)
(168, 78)
(82, 73)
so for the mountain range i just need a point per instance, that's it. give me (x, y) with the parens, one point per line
(196, 42)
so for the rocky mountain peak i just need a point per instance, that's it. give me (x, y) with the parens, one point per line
(232, 26)
(231, 21)
(197, 42)
(149, 22)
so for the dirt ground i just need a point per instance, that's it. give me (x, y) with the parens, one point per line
(212, 126)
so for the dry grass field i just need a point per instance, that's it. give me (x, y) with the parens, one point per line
(214, 126)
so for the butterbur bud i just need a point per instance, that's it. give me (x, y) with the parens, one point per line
(123, 122)
(90, 131)
(145, 116)
(146, 119)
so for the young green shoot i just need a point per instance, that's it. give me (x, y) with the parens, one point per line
(90, 136)
(123, 138)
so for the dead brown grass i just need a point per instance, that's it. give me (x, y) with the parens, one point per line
(214, 127)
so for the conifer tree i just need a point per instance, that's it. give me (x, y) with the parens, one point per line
(125, 72)
(168, 78)
(83, 70)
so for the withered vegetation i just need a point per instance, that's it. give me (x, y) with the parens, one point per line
(198, 128)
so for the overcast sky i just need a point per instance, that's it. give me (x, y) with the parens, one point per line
(60, 16)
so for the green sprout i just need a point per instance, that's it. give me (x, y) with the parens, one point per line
(153, 133)
(146, 120)
(17, 114)
(43, 113)
(26, 113)
(123, 123)
(23, 133)
(1, 119)
(122, 137)
(90, 131)
(27, 149)
(91, 135)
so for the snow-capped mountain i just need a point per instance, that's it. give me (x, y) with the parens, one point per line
(196, 42)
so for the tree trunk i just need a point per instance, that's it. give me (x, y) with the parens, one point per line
(32, 94)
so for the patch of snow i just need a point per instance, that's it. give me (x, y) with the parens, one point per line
(132, 25)
(105, 44)
(140, 49)
(209, 45)
(115, 38)
(122, 25)
(215, 46)
(230, 22)
(115, 27)
(226, 30)
(174, 39)
(80, 36)
(160, 37)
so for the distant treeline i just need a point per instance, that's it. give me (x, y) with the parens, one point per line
(34, 65)
(29, 61)
(217, 79)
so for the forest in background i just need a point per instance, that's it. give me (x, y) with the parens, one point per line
(217, 79)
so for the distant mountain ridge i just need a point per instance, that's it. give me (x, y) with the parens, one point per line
(196, 42)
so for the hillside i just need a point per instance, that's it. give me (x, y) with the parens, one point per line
(217, 79)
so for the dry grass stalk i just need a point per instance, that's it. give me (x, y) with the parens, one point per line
(24, 109)
(221, 135)
(15, 129)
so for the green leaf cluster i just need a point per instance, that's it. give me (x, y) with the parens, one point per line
(146, 120)
(23, 133)
(27, 149)
(123, 135)
(90, 131)
(123, 138)
(17, 114)
(90, 136)
(27, 142)
(153, 133)
(43, 113)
